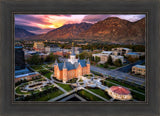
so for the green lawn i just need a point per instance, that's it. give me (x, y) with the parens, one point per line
(80, 80)
(127, 85)
(108, 84)
(138, 96)
(49, 96)
(37, 67)
(100, 92)
(48, 75)
(65, 86)
(88, 96)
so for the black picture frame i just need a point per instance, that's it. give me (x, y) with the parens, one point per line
(8, 7)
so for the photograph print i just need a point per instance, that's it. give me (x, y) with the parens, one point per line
(80, 58)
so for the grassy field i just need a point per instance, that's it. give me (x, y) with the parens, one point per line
(37, 67)
(108, 84)
(100, 92)
(48, 75)
(88, 96)
(65, 86)
(50, 96)
(138, 96)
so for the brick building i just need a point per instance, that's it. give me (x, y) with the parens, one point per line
(72, 68)
(139, 69)
(38, 46)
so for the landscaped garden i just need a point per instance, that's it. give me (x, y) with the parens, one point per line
(100, 92)
(45, 95)
(72, 80)
(18, 91)
(88, 96)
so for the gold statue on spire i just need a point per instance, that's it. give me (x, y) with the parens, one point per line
(72, 44)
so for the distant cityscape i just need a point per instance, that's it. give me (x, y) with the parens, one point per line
(76, 69)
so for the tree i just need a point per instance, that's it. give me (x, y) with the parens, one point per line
(118, 62)
(97, 59)
(92, 59)
(110, 62)
(35, 60)
(105, 65)
(132, 59)
(50, 58)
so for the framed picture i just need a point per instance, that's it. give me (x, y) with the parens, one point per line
(82, 58)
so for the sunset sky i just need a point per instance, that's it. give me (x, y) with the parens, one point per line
(43, 23)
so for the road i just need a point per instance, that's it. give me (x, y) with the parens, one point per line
(118, 75)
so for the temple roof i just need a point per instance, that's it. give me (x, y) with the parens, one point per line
(71, 66)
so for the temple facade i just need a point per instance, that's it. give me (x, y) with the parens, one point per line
(71, 68)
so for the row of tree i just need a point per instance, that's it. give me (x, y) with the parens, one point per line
(37, 60)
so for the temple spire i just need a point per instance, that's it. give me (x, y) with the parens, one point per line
(55, 63)
(88, 62)
(64, 65)
(72, 44)
(73, 49)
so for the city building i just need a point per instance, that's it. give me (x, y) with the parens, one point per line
(61, 53)
(78, 50)
(26, 76)
(29, 54)
(72, 68)
(19, 58)
(135, 54)
(52, 48)
(38, 46)
(67, 51)
(121, 51)
(114, 58)
(25, 73)
(119, 93)
(139, 69)
(104, 55)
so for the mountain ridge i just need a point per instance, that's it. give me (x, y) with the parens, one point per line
(22, 33)
(111, 29)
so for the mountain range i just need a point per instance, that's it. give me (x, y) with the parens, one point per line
(112, 30)
(22, 33)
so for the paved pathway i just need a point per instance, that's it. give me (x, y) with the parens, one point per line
(71, 96)
(63, 95)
